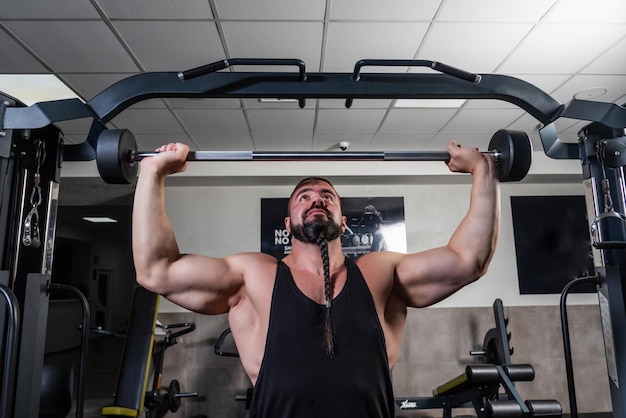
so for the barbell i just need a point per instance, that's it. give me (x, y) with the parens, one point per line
(117, 154)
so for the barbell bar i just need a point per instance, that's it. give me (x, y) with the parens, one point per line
(117, 154)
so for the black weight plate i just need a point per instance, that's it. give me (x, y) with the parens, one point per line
(173, 400)
(515, 151)
(113, 156)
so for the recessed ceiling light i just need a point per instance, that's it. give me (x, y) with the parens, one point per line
(430, 103)
(34, 88)
(590, 93)
(99, 219)
(276, 100)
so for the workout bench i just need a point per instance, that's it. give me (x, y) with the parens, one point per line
(479, 386)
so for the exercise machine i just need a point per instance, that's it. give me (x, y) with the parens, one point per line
(32, 151)
(488, 387)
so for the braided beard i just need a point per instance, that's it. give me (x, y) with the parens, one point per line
(310, 232)
(319, 231)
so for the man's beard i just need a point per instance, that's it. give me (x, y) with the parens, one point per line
(310, 232)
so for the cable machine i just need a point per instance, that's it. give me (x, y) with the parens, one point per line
(32, 151)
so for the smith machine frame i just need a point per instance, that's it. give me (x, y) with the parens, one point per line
(32, 151)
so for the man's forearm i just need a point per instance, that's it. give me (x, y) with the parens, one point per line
(475, 238)
(153, 238)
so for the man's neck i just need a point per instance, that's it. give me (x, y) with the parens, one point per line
(307, 256)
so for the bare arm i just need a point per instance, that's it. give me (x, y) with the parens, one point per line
(198, 283)
(428, 277)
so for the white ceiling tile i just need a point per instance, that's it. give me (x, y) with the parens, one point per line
(494, 10)
(278, 142)
(549, 48)
(535, 142)
(203, 121)
(400, 141)
(224, 142)
(349, 42)
(572, 47)
(468, 139)
(416, 120)
(473, 47)
(330, 142)
(157, 9)
(88, 85)
(482, 120)
(193, 103)
(58, 9)
(378, 10)
(612, 61)
(172, 45)
(153, 141)
(148, 121)
(21, 61)
(298, 40)
(285, 121)
(83, 36)
(585, 11)
(526, 123)
(270, 9)
(615, 86)
(349, 120)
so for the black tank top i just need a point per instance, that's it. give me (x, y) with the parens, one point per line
(298, 379)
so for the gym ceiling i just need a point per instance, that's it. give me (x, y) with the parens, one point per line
(565, 47)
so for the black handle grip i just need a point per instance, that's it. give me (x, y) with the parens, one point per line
(205, 69)
(220, 65)
(455, 72)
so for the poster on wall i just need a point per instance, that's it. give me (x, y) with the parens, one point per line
(373, 224)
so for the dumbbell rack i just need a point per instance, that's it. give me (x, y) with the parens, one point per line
(27, 133)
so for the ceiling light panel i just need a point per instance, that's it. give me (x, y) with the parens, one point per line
(33, 88)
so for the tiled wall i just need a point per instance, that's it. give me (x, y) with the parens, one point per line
(435, 349)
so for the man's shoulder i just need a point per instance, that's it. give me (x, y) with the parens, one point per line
(253, 263)
(377, 257)
(379, 266)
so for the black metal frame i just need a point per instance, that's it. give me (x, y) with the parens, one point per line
(19, 124)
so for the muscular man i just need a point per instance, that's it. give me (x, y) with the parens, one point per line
(317, 333)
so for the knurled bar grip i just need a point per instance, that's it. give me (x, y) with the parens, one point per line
(309, 155)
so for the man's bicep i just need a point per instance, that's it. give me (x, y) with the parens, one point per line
(202, 284)
(428, 277)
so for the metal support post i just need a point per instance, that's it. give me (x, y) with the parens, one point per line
(604, 182)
